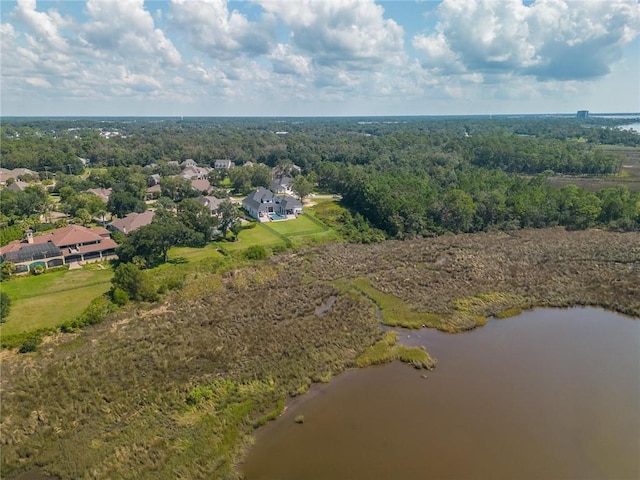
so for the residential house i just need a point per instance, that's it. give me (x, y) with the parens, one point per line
(222, 164)
(132, 222)
(103, 193)
(17, 186)
(195, 172)
(212, 203)
(154, 179)
(201, 185)
(285, 170)
(189, 162)
(6, 174)
(264, 206)
(63, 246)
(282, 185)
(153, 192)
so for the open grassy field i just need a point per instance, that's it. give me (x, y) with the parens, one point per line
(303, 225)
(629, 174)
(192, 254)
(258, 235)
(51, 298)
(174, 390)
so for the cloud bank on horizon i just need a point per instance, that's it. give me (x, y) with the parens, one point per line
(318, 57)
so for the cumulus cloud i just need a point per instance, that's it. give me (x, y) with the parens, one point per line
(550, 39)
(285, 61)
(352, 32)
(219, 33)
(124, 27)
(45, 26)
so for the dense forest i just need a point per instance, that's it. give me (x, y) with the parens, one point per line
(400, 177)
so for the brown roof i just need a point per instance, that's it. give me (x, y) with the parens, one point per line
(133, 221)
(103, 193)
(69, 236)
(201, 185)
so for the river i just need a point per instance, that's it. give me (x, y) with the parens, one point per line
(632, 126)
(550, 394)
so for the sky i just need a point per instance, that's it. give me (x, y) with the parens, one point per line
(318, 57)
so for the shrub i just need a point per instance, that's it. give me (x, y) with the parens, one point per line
(134, 282)
(29, 345)
(5, 306)
(119, 296)
(255, 252)
(38, 269)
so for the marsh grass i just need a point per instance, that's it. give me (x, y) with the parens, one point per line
(387, 350)
(395, 312)
(110, 400)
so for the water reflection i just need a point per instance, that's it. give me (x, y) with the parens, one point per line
(549, 394)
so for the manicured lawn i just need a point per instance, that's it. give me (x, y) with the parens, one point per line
(52, 298)
(258, 235)
(195, 254)
(300, 226)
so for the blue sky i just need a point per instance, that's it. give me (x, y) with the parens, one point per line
(318, 57)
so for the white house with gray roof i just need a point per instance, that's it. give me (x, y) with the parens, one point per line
(264, 206)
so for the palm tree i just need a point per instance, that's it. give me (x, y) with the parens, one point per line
(102, 215)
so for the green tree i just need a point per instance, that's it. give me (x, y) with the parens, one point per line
(84, 216)
(302, 187)
(134, 282)
(177, 188)
(122, 203)
(197, 217)
(152, 242)
(5, 306)
(240, 179)
(457, 211)
(228, 214)
(260, 175)
(236, 228)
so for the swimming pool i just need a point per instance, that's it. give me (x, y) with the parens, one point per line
(276, 216)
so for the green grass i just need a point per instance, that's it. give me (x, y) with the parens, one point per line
(395, 312)
(49, 299)
(387, 350)
(195, 254)
(258, 235)
(303, 225)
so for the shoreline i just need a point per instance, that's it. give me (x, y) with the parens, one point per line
(256, 337)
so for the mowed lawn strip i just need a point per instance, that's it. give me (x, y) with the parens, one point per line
(193, 254)
(258, 235)
(302, 225)
(49, 299)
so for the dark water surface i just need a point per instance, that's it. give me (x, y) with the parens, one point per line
(550, 394)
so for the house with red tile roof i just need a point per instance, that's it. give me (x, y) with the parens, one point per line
(63, 246)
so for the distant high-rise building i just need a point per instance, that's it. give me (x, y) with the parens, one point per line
(583, 114)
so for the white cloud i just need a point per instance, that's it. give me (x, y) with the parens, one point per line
(43, 25)
(125, 28)
(285, 61)
(352, 32)
(37, 82)
(551, 39)
(217, 32)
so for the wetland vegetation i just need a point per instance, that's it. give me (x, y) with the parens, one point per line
(176, 388)
(436, 223)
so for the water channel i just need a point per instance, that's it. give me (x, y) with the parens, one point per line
(550, 394)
